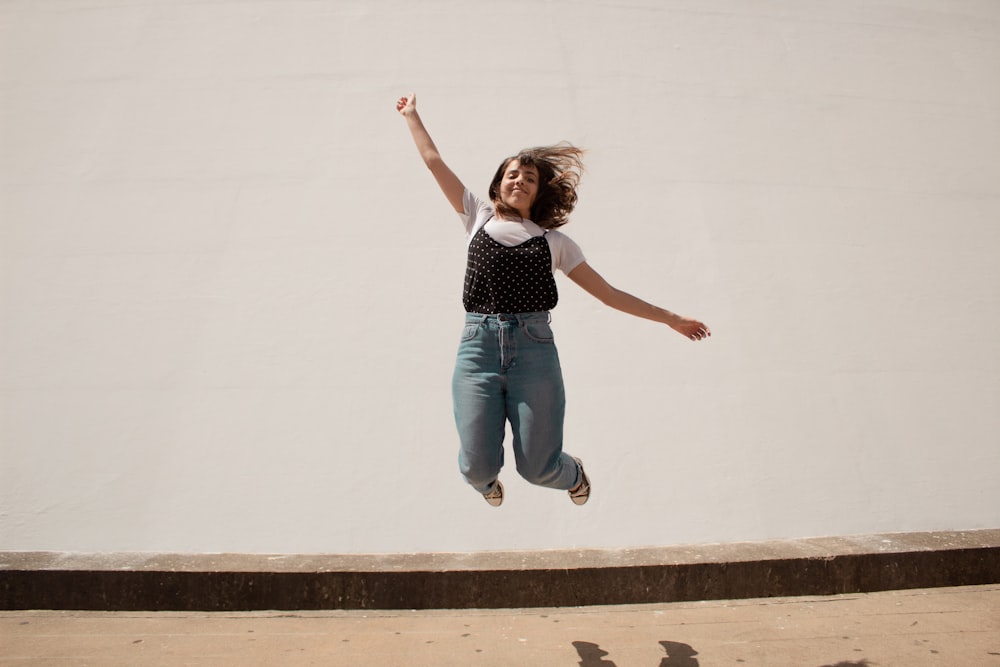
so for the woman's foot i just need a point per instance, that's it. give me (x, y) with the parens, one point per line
(581, 492)
(495, 496)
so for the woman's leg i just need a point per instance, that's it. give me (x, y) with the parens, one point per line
(477, 394)
(536, 406)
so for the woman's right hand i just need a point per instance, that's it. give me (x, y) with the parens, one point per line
(407, 104)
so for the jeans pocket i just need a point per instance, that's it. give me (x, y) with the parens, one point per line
(470, 331)
(538, 331)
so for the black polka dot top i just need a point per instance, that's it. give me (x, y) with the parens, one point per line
(502, 279)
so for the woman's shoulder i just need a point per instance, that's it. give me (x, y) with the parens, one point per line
(558, 234)
(559, 239)
(477, 212)
(474, 202)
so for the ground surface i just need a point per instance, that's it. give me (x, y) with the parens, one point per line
(946, 626)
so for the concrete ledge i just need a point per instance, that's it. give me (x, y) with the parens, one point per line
(241, 582)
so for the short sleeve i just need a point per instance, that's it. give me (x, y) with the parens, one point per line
(475, 214)
(566, 254)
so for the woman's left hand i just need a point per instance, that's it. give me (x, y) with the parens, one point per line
(692, 329)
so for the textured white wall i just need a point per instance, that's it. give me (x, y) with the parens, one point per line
(230, 291)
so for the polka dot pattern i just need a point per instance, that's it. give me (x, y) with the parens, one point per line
(501, 279)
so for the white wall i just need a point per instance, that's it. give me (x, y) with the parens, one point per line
(230, 291)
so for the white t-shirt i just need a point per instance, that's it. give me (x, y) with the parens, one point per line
(566, 254)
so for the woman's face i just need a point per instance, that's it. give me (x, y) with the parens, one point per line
(519, 187)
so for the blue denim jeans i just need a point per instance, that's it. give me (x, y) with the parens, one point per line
(508, 370)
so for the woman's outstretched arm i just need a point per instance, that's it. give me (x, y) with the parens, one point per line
(590, 280)
(446, 178)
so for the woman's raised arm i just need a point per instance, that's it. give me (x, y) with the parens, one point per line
(447, 180)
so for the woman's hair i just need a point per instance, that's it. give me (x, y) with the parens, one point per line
(559, 170)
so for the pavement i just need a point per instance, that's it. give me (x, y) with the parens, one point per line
(956, 627)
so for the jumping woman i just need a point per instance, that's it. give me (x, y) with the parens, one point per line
(508, 368)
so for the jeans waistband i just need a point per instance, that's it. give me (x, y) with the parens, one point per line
(509, 317)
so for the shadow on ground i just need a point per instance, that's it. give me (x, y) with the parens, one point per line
(678, 655)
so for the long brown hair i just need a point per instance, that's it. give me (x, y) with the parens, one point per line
(559, 170)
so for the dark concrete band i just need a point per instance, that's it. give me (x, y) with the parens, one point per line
(239, 582)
